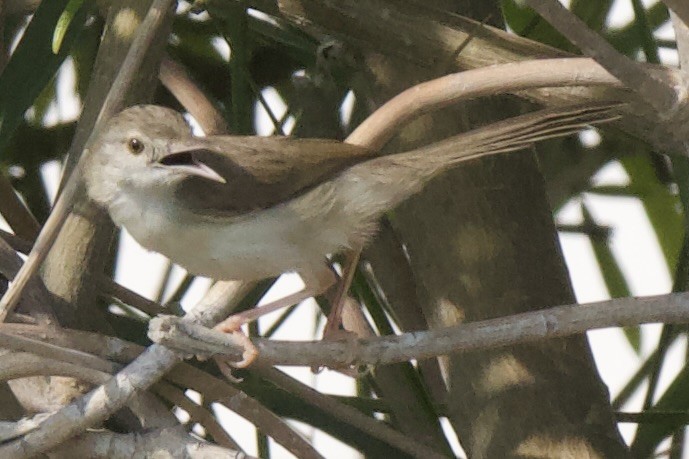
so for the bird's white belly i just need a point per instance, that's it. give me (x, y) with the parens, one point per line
(267, 243)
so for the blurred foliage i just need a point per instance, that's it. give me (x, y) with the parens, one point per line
(265, 52)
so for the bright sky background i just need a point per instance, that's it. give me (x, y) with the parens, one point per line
(633, 244)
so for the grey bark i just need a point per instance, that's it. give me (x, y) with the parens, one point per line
(482, 244)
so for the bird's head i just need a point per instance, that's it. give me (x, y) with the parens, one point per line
(145, 148)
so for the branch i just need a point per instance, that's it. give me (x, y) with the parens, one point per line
(9, 430)
(348, 414)
(680, 8)
(532, 326)
(149, 410)
(54, 352)
(138, 376)
(91, 351)
(110, 288)
(652, 90)
(147, 32)
(177, 80)
(37, 300)
(378, 128)
(10, 263)
(197, 414)
(17, 243)
(212, 388)
(168, 442)
(17, 215)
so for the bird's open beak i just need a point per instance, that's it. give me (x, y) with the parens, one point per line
(181, 157)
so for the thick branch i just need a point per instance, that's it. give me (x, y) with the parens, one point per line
(680, 8)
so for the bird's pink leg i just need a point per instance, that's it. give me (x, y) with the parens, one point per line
(315, 285)
(339, 300)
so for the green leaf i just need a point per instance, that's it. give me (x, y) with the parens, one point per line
(63, 23)
(525, 22)
(626, 39)
(22, 80)
(612, 274)
(593, 14)
(645, 32)
(676, 398)
(661, 206)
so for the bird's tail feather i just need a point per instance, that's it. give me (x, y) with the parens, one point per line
(508, 135)
(376, 185)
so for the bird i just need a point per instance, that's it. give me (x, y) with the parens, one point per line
(249, 207)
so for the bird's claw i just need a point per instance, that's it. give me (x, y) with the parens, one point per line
(233, 325)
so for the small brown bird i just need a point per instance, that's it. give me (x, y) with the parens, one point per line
(248, 208)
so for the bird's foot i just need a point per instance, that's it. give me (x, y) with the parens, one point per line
(233, 325)
(335, 333)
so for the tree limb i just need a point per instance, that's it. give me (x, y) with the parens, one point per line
(527, 327)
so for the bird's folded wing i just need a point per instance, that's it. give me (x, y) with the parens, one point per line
(262, 172)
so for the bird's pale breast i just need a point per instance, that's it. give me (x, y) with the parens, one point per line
(262, 244)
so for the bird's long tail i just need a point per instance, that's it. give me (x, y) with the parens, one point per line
(504, 136)
(377, 185)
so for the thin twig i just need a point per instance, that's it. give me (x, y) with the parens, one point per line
(17, 243)
(111, 288)
(23, 364)
(10, 263)
(37, 299)
(197, 413)
(56, 353)
(9, 430)
(219, 391)
(17, 215)
(348, 414)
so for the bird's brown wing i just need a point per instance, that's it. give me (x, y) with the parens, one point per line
(261, 172)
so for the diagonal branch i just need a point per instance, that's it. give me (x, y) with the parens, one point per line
(147, 32)
(15, 212)
(653, 91)
(682, 38)
(680, 8)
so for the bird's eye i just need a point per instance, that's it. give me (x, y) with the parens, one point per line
(135, 145)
